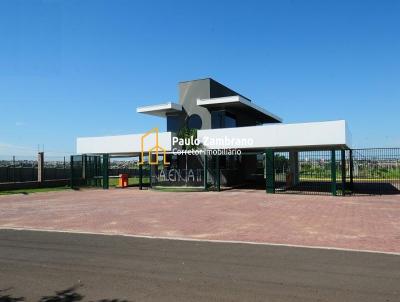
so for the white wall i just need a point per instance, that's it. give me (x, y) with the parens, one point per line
(118, 144)
(301, 135)
(320, 134)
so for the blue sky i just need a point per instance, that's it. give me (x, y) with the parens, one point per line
(80, 68)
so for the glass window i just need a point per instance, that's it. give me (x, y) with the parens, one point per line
(217, 120)
(173, 123)
(222, 119)
(194, 122)
(230, 121)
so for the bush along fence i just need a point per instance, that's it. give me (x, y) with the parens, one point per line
(18, 173)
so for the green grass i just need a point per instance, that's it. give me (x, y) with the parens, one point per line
(113, 182)
(36, 190)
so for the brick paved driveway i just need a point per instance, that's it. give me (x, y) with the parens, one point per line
(368, 223)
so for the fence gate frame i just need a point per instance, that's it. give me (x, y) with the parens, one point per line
(367, 171)
(335, 171)
(86, 170)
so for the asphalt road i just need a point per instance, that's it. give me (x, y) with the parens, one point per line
(36, 265)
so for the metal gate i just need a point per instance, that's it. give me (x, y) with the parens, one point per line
(103, 171)
(86, 170)
(128, 165)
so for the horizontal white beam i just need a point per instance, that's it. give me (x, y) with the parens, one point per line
(160, 109)
(301, 135)
(121, 144)
(331, 134)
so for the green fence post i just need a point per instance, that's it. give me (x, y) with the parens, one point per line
(84, 169)
(351, 170)
(71, 167)
(343, 172)
(218, 175)
(205, 166)
(14, 179)
(269, 171)
(333, 172)
(140, 173)
(105, 171)
(150, 175)
(98, 184)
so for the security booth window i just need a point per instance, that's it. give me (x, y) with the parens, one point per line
(230, 120)
(173, 123)
(222, 119)
(194, 122)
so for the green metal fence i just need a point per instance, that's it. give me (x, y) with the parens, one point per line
(309, 172)
(338, 172)
(14, 169)
(86, 171)
(375, 171)
(103, 171)
(138, 175)
(76, 168)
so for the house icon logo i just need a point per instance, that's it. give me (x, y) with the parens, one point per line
(154, 150)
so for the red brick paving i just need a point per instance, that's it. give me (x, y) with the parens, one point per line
(368, 222)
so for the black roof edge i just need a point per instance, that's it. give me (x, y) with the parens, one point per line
(211, 79)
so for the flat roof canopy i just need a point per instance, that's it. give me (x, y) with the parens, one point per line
(128, 144)
(160, 109)
(306, 136)
(300, 136)
(240, 104)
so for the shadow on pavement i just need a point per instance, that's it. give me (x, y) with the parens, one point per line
(67, 295)
(9, 298)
